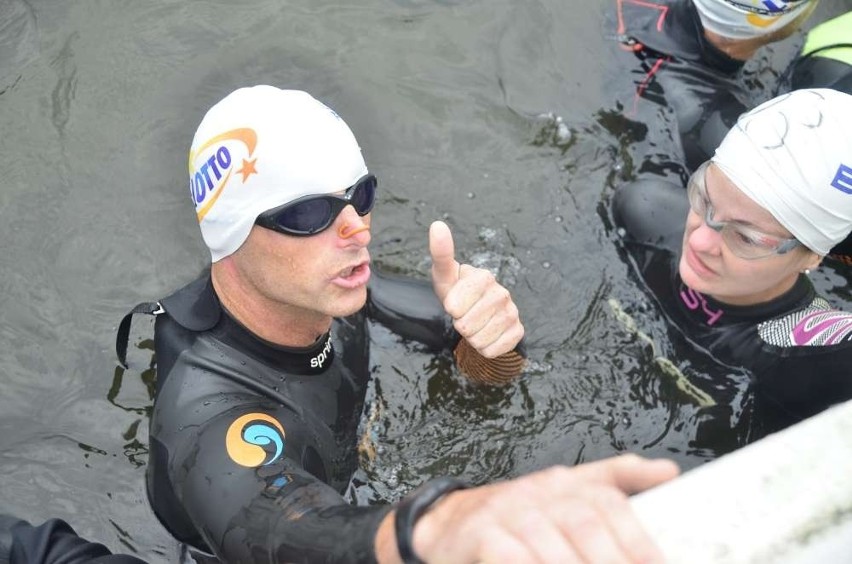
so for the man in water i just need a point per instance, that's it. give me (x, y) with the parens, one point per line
(263, 366)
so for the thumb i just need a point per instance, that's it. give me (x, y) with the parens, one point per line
(445, 269)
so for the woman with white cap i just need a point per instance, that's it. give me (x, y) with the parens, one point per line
(759, 216)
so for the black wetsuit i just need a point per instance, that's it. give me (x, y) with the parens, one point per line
(797, 349)
(682, 70)
(252, 444)
(52, 542)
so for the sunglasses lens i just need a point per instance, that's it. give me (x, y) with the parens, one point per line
(306, 217)
(315, 213)
(364, 195)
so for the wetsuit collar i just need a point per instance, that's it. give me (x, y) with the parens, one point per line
(800, 295)
(197, 307)
(313, 359)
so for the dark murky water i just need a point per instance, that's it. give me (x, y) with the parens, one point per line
(501, 117)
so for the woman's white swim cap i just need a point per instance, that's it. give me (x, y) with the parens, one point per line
(793, 156)
(262, 147)
(744, 19)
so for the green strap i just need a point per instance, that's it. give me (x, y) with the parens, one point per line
(837, 31)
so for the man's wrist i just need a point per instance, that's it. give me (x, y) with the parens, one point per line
(413, 506)
(384, 544)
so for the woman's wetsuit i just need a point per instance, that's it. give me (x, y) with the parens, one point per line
(797, 349)
(252, 443)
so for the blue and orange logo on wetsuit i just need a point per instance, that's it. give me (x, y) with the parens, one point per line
(255, 439)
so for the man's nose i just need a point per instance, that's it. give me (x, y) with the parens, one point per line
(353, 228)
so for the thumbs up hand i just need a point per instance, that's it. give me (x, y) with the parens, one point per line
(482, 310)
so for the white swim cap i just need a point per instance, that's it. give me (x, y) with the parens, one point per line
(793, 156)
(743, 19)
(262, 147)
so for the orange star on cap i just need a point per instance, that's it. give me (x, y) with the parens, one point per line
(248, 169)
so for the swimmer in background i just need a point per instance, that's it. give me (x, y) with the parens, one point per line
(825, 60)
(728, 259)
(692, 52)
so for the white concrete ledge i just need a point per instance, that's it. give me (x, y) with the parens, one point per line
(784, 499)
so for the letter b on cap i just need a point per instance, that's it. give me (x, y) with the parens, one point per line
(843, 179)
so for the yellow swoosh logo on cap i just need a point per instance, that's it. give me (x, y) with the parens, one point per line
(760, 21)
(243, 134)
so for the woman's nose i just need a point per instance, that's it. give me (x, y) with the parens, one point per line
(702, 237)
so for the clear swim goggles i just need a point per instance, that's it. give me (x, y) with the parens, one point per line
(742, 240)
(310, 215)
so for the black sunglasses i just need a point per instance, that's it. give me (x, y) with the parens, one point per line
(309, 215)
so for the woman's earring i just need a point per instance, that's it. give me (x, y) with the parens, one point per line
(807, 271)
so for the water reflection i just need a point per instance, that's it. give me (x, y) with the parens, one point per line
(510, 121)
(135, 448)
(18, 41)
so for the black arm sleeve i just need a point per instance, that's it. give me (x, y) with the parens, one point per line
(271, 508)
(651, 213)
(804, 382)
(52, 542)
(410, 308)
